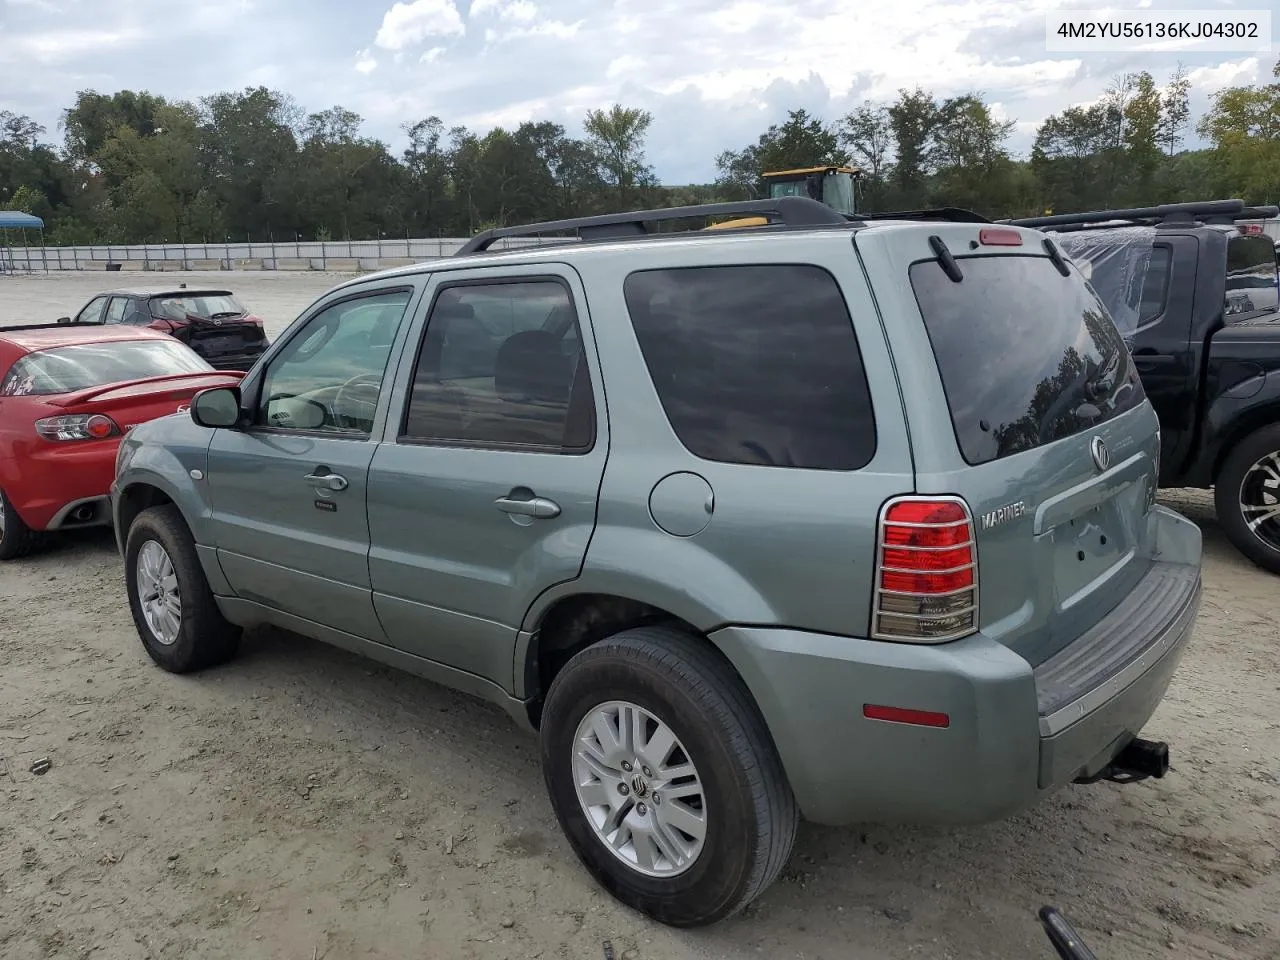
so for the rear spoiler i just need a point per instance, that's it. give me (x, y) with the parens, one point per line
(92, 393)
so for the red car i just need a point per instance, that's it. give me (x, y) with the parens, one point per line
(67, 396)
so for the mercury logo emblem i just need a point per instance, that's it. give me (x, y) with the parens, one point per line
(1101, 455)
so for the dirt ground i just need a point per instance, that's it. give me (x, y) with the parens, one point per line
(302, 803)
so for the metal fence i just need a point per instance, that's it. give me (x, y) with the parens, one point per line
(273, 255)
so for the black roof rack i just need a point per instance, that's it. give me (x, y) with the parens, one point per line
(1206, 211)
(951, 214)
(787, 211)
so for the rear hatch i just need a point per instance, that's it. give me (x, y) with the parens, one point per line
(213, 324)
(1030, 409)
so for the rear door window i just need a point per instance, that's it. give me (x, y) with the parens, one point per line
(1251, 277)
(1027, 356)
(756, 364)
(115, 312)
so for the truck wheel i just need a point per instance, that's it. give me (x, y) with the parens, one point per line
(173, 608)
(664, 777)
(1247, 497)
(16, 538)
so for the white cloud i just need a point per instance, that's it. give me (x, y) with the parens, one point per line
(61, 45)
(407, 24)
(714, 73)
(520, 11)
(1229, 74)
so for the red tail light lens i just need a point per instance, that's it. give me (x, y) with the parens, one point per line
(999, 237)
(77, 426)
(926, 571)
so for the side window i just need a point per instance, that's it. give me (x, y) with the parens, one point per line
(115, 312)
(329, 375)
(1251, 277)
(1155, 285)
(92, 313)
(756, 365)
(502, 364)
(137, 313)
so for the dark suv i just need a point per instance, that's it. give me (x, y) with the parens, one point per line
(213, 323)
(1195, 294)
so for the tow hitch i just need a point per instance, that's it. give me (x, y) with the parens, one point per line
(1139, 760)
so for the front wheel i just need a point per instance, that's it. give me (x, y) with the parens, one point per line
(173, 608)
(664, 778)
(1247, 497)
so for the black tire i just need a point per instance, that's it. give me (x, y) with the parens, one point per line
(16, 538)
(750, 811)
(1262, 548)
(204, 638)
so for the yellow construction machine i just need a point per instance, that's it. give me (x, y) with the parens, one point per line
(832, 185)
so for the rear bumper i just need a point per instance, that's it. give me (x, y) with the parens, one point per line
(63, 477)
(999, 753)
(241, 361)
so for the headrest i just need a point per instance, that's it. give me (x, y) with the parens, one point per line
(531, 366)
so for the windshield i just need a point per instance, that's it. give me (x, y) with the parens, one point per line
(1027, 356)
(205, 305)
(79, 367)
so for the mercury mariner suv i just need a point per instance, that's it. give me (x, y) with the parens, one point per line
(835, 518)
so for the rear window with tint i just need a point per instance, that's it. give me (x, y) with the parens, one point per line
(1251, 277)
(756, 364)
(1027, 356)
(85, 365)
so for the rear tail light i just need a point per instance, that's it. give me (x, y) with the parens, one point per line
(926, 571)
(77, 426)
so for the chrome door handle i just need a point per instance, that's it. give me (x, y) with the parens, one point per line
(331, 481)
(538, 507)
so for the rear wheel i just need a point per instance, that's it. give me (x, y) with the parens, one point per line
(173, 608)
(664, 777)
(1247, 497)
(16, 538)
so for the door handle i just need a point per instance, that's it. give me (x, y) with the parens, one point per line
(330, 481)
(538, 507)
(1147, 360)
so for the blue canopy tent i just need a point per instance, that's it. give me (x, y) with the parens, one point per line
(11, 220)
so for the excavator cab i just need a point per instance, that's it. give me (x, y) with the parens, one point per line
(833, 186)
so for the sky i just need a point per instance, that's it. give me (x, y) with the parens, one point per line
(714, 73)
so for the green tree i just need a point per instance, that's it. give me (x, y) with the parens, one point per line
(618, 138)
(913, 117)
(1175, 110)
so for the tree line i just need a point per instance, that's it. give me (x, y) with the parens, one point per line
(253, 164)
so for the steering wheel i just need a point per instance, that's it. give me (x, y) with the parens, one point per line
(356, 422)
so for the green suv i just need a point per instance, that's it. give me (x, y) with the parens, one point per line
(831, 518)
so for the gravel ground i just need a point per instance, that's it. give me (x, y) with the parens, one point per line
(301, 802)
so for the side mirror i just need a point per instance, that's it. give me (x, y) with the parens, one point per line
(217, 407)
(64, 320)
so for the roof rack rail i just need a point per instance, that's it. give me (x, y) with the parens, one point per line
(1210, 211)
(788, 211)
(952, 214)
